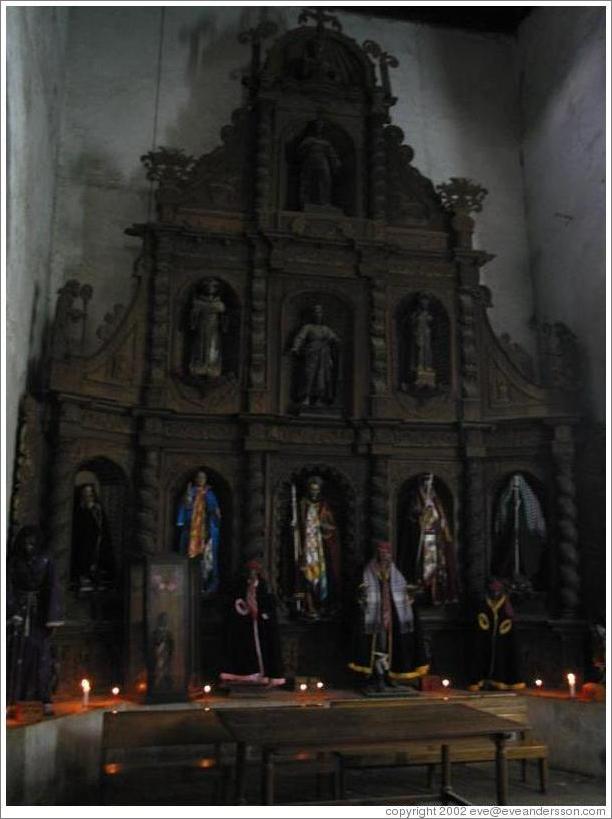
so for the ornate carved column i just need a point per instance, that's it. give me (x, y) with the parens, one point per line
(567, 531)
(379, 498)
(159, 322)
(65, 462)
(147, 501)
(474, 539)
(378, 336)
(254, 520)
(378, 166)
(258, 339)
(263, 156)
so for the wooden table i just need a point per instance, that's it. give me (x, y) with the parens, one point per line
(331, 730)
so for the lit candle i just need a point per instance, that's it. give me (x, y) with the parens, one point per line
(207, 689)
(538, 683)
(85, 685)
(446, 683)
(571, 681)
(303, 687)
(320, 685)
(115, 691)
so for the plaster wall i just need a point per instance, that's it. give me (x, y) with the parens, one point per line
(562, 69)
(143, 77)
(35, 59)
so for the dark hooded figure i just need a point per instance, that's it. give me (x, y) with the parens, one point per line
(253, 643)
(494, 656)
(33, 611)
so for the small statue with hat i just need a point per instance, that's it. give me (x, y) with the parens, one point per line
(253, 654)
(387, 647)
(494, 654)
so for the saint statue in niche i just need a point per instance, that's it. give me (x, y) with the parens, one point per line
(317, 347)
(316, 551)
(92, 549)
(422, 372)
(519, 535)
(207, 323)
(198, 522)
(318, 162)
(434, 567)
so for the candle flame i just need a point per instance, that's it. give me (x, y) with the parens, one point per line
(207, 689)
(115, 691)
(320, 685)
(445, 683)
(86, 686)
(538, 682)
(303, 686)
(571, 678)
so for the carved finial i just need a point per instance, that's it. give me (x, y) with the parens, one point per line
(260, 32)
(319, 15)
(168, 165)
(461, 195)
(384, 61)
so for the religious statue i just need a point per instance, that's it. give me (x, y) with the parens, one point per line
(319, 163)
(519, 531)
(422, 370)
(33, 611)
(316, 551)
(317, 348)
(207, 322)
(93, 564)
(494, 656)
(433, 568)
(198, 522)
(252, 638)
(387, 644)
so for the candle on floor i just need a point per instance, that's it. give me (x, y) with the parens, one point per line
(571, 681)
(86, 686)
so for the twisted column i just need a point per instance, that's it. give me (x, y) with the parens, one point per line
(379, 498)
(567, 531)
(257, 372)
(262, 157)
(378, 169)
(469, 352)
(147, 502)
(254, 523)
(60, 506)
(159, 324)
(378, 337)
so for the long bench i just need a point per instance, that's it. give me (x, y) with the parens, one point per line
(149, 749)
(522, 746)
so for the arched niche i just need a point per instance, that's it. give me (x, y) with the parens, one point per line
(319, 168)
(100, 531)
(519, 532)
(412, 529)
(338, 494)
(317, 354)
(422, 332)
(208, 321)
(223, 494)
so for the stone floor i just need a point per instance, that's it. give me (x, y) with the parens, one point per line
(474, 782)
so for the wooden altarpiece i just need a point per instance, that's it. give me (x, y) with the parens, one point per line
(312, 199)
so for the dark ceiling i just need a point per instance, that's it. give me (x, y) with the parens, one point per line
(497, 19)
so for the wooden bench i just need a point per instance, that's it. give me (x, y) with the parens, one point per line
(149, 749)
(521, 747)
